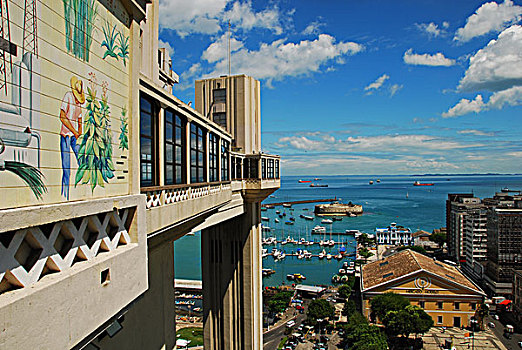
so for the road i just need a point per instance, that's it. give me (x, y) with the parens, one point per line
(272, 338)
(511, 344)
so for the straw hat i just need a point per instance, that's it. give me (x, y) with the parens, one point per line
(77, 89)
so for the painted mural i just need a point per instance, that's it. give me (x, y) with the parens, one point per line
(63, 114)
(80, 17)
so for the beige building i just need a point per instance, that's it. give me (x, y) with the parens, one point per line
(440, 289)
(102, 168)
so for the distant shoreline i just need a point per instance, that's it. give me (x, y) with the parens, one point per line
(411, 175)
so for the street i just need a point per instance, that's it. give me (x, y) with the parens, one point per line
(510, 344)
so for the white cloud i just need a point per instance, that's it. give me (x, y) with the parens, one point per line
(510, 97)
(313, 28)
(194, 16)
(445, 24)
(376, 85)
(210, 16)
(476, 132)
(242, 15)
(279, 59)
(166, 45)
(302, 143)
(435, 60)
(218, 50)
(429, 28)
(465, 106)
(490, 17)
(515, 154)
(497, 66)
(395, 88)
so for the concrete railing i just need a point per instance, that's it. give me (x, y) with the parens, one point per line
(164, 195)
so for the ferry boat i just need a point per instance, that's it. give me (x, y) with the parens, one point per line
(417, 183)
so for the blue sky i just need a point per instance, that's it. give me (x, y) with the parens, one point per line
(366, 87)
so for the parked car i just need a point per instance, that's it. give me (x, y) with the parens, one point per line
(496, 317)
(491, 325)
(520, 344)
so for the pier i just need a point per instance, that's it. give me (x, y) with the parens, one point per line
(299, 202)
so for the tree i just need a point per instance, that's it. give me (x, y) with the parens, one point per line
(481, 313)
(415, 248)
(349, 308)
(359, 335)
(279, 302)
(344, 291)
(439, 238)
(383, 303)
(320, 309)
(411, 319)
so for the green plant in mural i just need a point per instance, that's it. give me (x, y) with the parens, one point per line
(95, 152)
(80, 16)
(29, 174)
(124, 130)
(123, 46)
(110, 40)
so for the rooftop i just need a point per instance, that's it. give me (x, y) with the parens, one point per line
(407, 262)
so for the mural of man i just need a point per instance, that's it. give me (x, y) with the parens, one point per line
(71, 118)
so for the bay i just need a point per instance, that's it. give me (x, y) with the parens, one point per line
(394, 199)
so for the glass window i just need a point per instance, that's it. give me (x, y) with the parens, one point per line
(276, 170)
(263, 168)
(225, 160)
(440, 305)
(220, 95)
(220, 119)
(439, 319)
(197, 154)
(148, 149)
(213, 157)
(422, 304)
(174, 142)
(457, 306)
(270, 168)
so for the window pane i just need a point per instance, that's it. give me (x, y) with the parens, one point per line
(169, 175)
(193, 158)
(145, 105)
(179, 137)
(169, 133)
(146, 148)
(145, 124)
(169, 153)
(193, 175)
(200, 159)
(168, 116)
(179, 175)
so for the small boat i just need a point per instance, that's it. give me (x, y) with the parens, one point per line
(307, 255)
(284, 214)
(267, 272)
(339, 256)
(378, 180)
(328, 256)
(318, 185)
(276, 220)
(263, 209)
(304, 181)
(326, 221)
(278, 212)
(342, 271)
(319, 229)
(280, 216)
(344, 279)
(287, 205)
(407, 195)
(336, 218)
(322, 254)
(371, 182)
(353, 232)
(291, 218)
(352, 215)
(417, 183)
(289, 222)
(264, 218)
(331, 243)
(336, 279)
(317, 179)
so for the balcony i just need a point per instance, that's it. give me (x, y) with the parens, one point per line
(253, 173)
(170, 205)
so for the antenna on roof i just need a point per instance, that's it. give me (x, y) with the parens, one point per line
(229, 74)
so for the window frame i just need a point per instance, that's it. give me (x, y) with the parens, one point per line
(213, 155)
(197, 149)
(225, 160)
(152, 136)
(177, 165)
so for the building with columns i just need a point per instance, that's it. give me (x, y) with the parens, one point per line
(108, 168)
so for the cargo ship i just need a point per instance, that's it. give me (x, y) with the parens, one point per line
(417, 183)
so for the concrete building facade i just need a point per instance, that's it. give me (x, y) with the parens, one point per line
(107, 168)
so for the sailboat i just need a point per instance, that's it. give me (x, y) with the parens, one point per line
(322, 254)
(407, 196)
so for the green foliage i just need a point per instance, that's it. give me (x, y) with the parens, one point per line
(30, 175)
(80, 16)
(279, 302)
(194, 334)
(415, 248)
(439, 238)
(384, 303)
(282, 343)
(115, 43)
(95, 152)
(365, 240)
(411, 319)
(344, 291)
(365, 253)
(109, 42)
(359, 335)
(349, 308)
(123, 47)
(481, 313)
(124, 130)
(320, 309)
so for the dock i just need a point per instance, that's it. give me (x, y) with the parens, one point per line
(299, 202)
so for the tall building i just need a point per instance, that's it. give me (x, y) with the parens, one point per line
(517, 294)
(102, 169)
(457, 207)
(475, 242)
(504, 230)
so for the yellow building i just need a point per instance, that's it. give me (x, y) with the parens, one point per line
(448, 296)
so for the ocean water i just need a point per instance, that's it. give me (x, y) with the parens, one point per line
(394, 199)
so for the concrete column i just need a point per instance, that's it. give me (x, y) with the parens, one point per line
(149, 324)
(232, 285)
